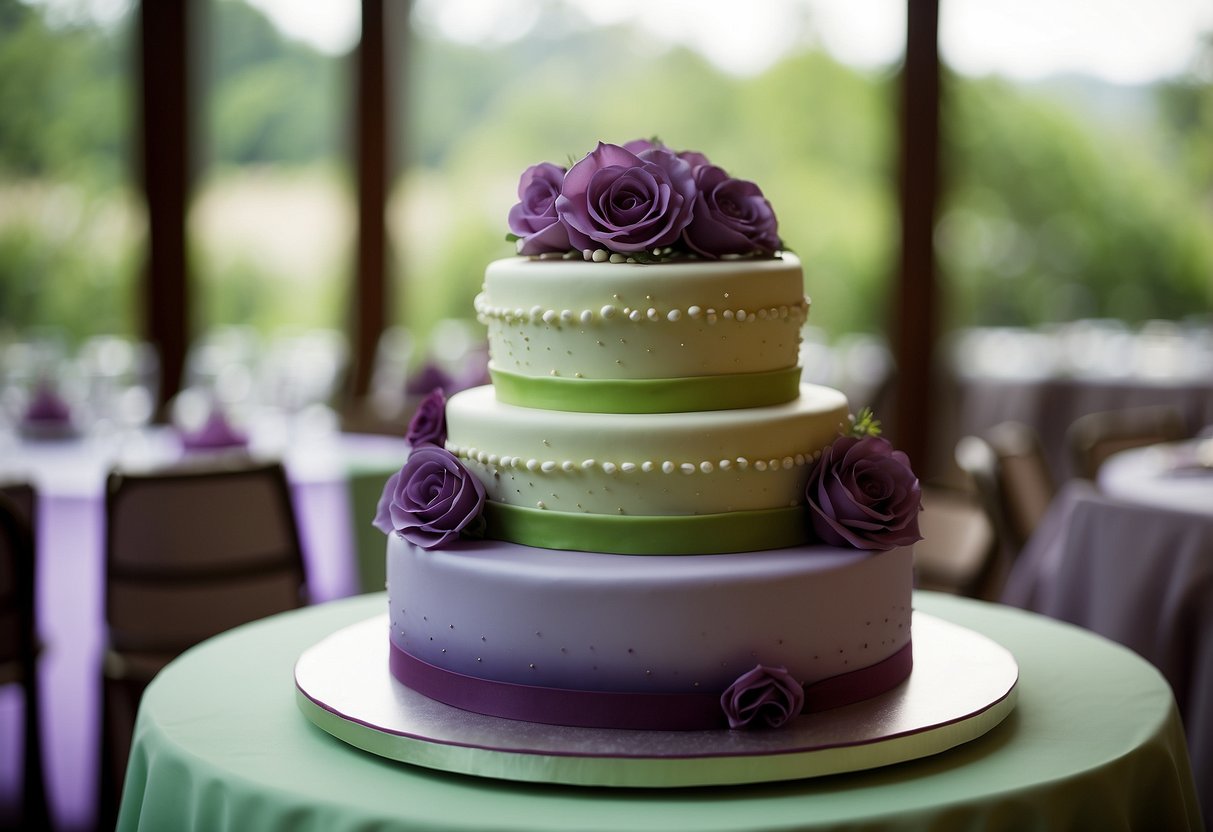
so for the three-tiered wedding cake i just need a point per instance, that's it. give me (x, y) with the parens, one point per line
(647, 521)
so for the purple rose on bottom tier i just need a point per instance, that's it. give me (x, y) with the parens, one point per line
(768, 695)
(431, 499)
(862, 493)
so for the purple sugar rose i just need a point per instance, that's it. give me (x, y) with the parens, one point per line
(533, 219)
(427, 379)
(638, 146)
(627, 202)
(731, 217)
(694, 158)
(769, 694)
(862, 493)
(641, 145)
(430, 500)
(428, 425)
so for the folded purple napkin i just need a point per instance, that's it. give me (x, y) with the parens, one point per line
(47, 416)
(47, 407)
(217, 432)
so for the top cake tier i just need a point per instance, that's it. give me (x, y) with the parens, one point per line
(567, 334)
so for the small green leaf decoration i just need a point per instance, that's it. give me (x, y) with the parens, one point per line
(865, 424)
(512, 238)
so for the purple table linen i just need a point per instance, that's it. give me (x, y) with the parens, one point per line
(1141, 575)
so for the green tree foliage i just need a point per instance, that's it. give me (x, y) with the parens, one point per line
(273, 101)
(1046, 215)
(64, 100)
(1048, 220)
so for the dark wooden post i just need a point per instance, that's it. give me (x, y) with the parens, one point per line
(165, 136)
(914, 313)
(369, 310)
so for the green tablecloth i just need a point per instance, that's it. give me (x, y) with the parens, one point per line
(1094, 743)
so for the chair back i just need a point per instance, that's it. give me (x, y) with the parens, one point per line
(1094, 437)
(1011, 475)
(191, 552)
(19, 644)
(959, 550)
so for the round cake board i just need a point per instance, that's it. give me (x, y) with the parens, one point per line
(963, 685)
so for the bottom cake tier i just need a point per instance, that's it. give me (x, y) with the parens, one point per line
(581, 638)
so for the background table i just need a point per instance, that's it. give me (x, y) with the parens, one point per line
(1050, 405)
(1138, 572)
(1174, 475)
(334, 480)
(1095, 741)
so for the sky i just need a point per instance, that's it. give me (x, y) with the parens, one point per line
(1123, 41)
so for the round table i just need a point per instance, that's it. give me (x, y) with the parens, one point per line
(1095, 741)
(1174, 475)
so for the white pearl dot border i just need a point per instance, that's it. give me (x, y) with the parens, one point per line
(534, 465)
(485, 312)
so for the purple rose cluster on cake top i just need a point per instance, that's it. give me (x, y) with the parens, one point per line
(641, 202)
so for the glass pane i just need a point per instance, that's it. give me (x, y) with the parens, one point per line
(272, 223)
(1077, 164)
(71, 225)
(1075, 239)
(796, 96)
(72, 222)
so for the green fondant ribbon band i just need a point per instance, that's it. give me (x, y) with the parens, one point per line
(648, 395)
(701, 534)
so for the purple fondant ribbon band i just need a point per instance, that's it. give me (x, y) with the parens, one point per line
(644, 711)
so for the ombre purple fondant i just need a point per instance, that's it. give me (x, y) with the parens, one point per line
(679, 625)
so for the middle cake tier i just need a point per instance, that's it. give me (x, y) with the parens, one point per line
(660, 483)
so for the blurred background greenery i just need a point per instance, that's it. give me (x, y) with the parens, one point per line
(1068, 198)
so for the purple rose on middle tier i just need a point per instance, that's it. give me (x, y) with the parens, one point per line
(627, 202)
(534, 217)
(431, 500)
(731, 217)
(428, 425)
(862, 493)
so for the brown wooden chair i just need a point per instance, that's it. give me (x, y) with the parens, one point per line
(959, 550)
(190, 552)
(19, 646)
(1011, 476)
(1094, 437)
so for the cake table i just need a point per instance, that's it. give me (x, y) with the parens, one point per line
(1094, 739)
